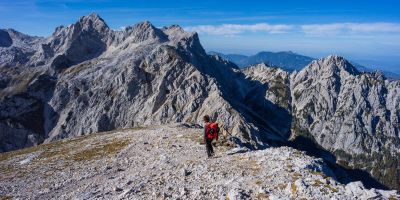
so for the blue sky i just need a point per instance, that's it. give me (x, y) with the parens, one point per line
(366, 31)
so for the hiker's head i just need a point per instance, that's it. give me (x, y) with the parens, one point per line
(206, 118)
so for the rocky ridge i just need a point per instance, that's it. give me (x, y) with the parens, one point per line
(168, 162)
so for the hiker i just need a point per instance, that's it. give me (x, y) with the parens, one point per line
(211, 131)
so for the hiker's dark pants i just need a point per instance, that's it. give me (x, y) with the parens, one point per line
(209, 147)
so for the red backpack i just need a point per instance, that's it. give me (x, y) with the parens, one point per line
(212, 130)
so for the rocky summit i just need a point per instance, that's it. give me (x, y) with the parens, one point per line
(87, 78)
(168, 162)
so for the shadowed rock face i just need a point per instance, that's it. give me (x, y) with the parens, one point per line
(5, 39)
(87, 78)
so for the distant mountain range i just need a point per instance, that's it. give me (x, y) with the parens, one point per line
(286, 60)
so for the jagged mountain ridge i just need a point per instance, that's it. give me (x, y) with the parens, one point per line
(341, 92)
(87, 78)
(352, 114)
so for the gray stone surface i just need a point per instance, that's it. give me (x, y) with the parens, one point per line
(148, 163)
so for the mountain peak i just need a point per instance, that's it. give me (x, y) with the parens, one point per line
(335, 57)
(144, 25)
(144, 31)
(341, 63)
(93, 17)
(93, 21)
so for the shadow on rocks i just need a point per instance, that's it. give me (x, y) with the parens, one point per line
(343, 175)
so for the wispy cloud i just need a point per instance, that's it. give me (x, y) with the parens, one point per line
(309, 29)
(360, 28)
(234, 29)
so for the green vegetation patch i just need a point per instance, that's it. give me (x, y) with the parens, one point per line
(296, 176)
(382, 165)
(293, 188)
(392, 197)
(258, 182)
(334, 190)
(12, 154)
(58, 147)
(282, 186)
(19, 83)
(100, 151)
(78, 68)
(317, 183)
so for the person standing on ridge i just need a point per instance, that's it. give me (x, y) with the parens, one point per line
(211, 131)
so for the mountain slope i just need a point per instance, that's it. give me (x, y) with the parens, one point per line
(167, 162)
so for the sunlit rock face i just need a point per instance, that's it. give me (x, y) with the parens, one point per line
(86, 78)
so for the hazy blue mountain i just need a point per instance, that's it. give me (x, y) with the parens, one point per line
(388, 74)
(235, 58)
(287, 60)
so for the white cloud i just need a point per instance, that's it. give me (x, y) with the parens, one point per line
(234, 29)
(362, 28)
(309, 29)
